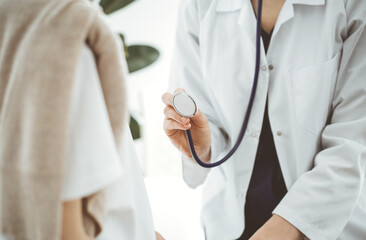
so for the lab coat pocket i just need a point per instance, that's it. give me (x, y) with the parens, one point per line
(312, 93)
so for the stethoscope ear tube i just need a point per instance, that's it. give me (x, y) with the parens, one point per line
(250, 105)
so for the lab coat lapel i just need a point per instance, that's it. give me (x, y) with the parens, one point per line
(287, 13)
(246, 19)
(244, 16)
(245, 28)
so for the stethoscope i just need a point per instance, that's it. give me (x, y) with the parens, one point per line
(185, 106)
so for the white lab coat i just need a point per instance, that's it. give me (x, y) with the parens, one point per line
(317, 108)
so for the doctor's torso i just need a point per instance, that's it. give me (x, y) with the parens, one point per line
(299, 77)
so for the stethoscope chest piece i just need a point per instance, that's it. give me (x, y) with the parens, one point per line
(184, 104)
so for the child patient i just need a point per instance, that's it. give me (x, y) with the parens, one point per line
(68, 169)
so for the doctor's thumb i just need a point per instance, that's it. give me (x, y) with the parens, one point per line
(199, 119)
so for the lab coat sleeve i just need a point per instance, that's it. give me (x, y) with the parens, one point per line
(322, 200)
(187, 73)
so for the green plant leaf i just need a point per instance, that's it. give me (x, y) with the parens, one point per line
(124, 44)
(110, 6)
(135, 128)
(140, 56)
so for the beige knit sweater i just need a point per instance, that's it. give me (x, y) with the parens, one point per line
(40, 45)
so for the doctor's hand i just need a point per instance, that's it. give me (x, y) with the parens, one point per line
(175, 126)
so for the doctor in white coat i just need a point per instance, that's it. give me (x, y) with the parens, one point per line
(314, 78)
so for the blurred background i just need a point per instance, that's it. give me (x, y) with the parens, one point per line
(147, 28)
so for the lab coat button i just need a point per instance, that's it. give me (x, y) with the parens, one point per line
(264, 68)
(271, 67)
(254, 134)
(279, 133)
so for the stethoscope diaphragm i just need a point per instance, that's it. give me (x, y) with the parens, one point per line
(184, 104)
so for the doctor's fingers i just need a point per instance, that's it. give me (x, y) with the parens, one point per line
(179, 90)
(172, 125)
(169, 112)
(200, 119)
(167, 97)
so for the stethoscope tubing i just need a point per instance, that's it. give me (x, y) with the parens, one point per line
(250, 104)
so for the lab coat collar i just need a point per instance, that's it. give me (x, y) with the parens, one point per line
(309, 2)
(247, 18)
(233, 5)
(228, 5)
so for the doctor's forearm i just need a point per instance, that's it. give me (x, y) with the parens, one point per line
(277, 228)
